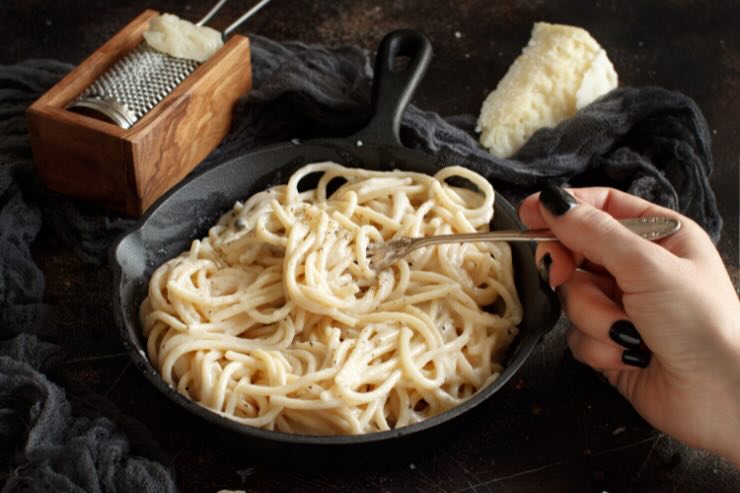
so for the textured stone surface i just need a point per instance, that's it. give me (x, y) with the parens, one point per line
(557, 428)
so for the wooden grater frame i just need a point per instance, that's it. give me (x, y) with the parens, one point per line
(127, 170)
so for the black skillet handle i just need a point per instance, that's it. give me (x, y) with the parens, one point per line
(395, 83)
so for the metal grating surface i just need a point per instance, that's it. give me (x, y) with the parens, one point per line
(138, 81)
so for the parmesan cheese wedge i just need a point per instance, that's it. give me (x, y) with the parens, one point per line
(561, 69)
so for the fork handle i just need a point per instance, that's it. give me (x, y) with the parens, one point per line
(650, 228)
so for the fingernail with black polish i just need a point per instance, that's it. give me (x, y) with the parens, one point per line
(543, 267)
(625, 334)
(556, 200)
(636, 358)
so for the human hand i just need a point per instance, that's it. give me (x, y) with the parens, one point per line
(624, 294)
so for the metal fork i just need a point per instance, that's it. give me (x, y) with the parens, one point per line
(383, 255)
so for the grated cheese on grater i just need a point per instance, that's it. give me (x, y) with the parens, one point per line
(182, 39)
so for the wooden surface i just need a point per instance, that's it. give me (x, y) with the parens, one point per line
(556, 427)
(127, 170)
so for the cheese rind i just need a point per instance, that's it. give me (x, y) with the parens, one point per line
(182, 39)
(561, 69)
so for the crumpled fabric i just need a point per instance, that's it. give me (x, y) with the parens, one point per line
(52, 438)
(649, 141)
(61, 451)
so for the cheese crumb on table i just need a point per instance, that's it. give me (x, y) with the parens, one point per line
(182, 39)
(561, 70)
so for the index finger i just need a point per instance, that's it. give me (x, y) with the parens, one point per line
(616, 203)
(691, 240)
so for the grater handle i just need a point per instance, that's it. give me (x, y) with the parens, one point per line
(211, 13)
(244, 17)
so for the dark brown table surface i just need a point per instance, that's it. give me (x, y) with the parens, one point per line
(555, 427)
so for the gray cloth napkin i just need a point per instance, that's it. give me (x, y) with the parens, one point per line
(51, 438)
(648, 141)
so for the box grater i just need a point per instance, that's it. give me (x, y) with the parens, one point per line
(142, 78)
(127, 169)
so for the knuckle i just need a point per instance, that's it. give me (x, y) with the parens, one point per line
(598, 221)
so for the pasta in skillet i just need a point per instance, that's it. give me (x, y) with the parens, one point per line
(277, 320)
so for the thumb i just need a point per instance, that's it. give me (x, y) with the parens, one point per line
(600, 238)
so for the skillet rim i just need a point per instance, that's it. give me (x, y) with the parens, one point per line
(130, 335)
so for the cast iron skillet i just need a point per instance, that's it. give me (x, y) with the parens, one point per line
(188, 211)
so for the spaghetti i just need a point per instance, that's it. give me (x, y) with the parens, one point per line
(277, 320)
